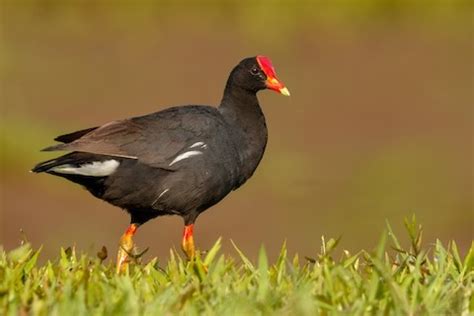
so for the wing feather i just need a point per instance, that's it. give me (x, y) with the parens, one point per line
(67, 138)
(154, 139)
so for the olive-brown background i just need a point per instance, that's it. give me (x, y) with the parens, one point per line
(378, 127)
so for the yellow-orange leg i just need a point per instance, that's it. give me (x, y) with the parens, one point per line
(188, 241)
(125, 248)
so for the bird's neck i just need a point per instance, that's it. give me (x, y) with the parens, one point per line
(241, 110)
(238, 102)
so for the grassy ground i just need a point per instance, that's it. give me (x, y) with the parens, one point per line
(387, 280)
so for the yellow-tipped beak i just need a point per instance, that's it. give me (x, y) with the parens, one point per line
(285, 91)
(275, 85)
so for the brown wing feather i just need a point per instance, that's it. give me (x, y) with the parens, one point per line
(107, 139)
(153, 139)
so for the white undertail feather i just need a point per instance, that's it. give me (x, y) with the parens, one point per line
(186, 155)
(92, 169)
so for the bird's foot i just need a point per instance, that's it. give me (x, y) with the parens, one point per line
(190, 251)
(126, 247)
(123, 259)
(188, 242)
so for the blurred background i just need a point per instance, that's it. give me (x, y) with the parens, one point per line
(379, 125)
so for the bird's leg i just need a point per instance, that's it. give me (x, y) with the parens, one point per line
(125, 248)
(188, 241)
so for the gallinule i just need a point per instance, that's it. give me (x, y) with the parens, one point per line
(179, 161)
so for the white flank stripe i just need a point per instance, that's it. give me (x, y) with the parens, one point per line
(186, 155)
(200, 144)
(93, 169)
(159, 196)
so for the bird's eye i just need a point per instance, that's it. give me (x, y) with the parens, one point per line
(255, 71)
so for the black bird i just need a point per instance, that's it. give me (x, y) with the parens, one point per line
(179, 161)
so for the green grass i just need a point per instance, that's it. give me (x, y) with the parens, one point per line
(388, 280)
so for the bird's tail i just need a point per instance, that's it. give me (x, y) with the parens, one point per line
(71, 158)
(48, 164)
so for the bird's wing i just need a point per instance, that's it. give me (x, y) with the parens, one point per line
(155, 139)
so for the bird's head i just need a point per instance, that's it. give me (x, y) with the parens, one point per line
(257, 73)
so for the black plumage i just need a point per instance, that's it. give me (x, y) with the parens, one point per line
(181, 160)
